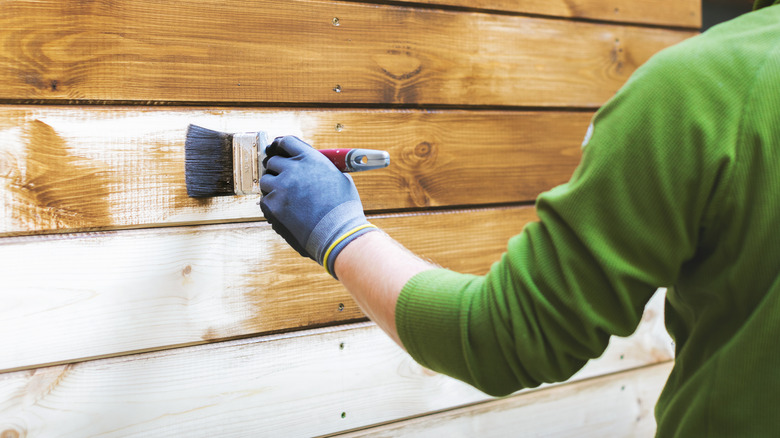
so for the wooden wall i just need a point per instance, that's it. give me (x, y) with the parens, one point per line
(130, 309)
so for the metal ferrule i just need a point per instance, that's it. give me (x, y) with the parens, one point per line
(248, 154)
(358, 160)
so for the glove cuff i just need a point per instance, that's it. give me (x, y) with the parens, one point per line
(334, 231)
(329, 260)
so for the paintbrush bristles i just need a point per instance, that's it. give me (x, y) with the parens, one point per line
(208, 162)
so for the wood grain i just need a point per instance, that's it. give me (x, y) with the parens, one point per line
(304, 384)
(76, 168)
(683, 13)
(292, 51)
(75, 296)
(618, 405)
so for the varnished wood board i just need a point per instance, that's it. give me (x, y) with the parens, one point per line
(74, 296)
(74, 168)
(683, 13)
(311, 51)
(618, 405)
(305, 384)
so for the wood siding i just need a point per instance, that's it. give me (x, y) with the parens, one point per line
(302, 384)
(212, 51)
(128, 171)
(131, 309)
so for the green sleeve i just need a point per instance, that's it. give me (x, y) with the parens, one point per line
(623, 226)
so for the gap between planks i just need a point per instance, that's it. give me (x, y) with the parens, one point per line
(426, 423)
(215, 225)
(160, 288)
(384, 54)
(520, 9)
(326, 369)
(105, 168)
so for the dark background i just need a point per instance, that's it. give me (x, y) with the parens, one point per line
(718, 11)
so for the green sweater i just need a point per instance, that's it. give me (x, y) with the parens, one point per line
(679, 186)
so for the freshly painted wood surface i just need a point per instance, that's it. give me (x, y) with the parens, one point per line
(618, 405)
(311, 51)
(303, 384)
(74, 296)
(684, 13)
(74, 168)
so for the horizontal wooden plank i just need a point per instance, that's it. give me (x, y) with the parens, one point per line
(312, 51)
(618, 405)
(75, 168)
(69, 297)
(683, 13)
(302, 385)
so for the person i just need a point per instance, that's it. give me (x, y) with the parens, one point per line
(678, 187)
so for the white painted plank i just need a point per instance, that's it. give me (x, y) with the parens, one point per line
(309, 383)
(618, 405)
(80, 296)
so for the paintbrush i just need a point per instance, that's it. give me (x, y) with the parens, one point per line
(222, 164)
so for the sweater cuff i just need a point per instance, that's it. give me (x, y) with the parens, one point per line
(428, 320)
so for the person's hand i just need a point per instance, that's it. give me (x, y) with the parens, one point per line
(309, 202)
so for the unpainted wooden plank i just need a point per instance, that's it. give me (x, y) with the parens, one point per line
(74, 296)
(75, 168)
(313, 52)
(304, 384)
(618, 405)
(683, 13)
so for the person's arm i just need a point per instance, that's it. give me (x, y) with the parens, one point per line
(652, 181)
(649, 183)
(374, 268)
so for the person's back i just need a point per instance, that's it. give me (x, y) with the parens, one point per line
(679, 186)
(724, 310)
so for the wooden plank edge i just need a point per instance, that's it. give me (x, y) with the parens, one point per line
(87, 169)
(337, 379)
(619, 404)
(152, 62)
(685, 14)
(114, 293)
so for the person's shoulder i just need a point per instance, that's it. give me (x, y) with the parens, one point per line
(727, 52)
(709, 73)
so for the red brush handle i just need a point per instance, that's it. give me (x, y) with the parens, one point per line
(338, 157)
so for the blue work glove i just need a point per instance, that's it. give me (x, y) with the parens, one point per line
(309, 202)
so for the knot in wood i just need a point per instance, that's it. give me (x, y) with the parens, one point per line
(421, 156)
(399, 64)
(423, 150)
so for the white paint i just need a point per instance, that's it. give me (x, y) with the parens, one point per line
(290, 385)
(121, 142)
(92, 294)
(11, 161)
(618, 405)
